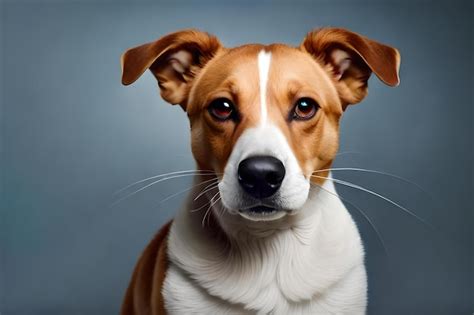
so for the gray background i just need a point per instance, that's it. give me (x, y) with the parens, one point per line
(72, 135)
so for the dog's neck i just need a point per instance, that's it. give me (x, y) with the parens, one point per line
(236, 259)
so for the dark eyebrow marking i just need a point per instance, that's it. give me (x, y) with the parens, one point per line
(293, 87)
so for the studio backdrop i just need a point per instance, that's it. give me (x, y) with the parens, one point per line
(72, 135)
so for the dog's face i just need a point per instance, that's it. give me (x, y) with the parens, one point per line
(265, 117)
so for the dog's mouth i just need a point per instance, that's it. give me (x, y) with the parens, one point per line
(262, 213)
(262, 209)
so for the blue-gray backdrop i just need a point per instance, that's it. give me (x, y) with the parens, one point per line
(71, 135)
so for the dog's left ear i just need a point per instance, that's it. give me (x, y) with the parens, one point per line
(350, 59)
(174, 60)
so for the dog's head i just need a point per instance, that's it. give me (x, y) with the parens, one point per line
(266, 117)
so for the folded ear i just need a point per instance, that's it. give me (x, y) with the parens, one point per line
(174, 60)
(350, 59)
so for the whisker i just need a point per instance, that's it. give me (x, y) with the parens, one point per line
(190, 172)
(149, 185)
(376, 230)
(348, 152)
(206, 189)
(210, 200)
(210, 214)
(355, 169)
(210, 208)
(197, 209)
(221, 212)
(348, 184)
(187, 189)
(204, 217)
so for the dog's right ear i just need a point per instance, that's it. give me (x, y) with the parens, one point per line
(350, 59)
(174, 60)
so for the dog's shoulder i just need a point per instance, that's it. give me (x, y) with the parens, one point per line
(143, 294)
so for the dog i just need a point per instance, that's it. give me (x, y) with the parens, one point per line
(271, 236)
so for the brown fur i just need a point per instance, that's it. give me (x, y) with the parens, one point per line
(143, 296)
(193, 69)
(174, 86)
(367, 56)
(234, 75)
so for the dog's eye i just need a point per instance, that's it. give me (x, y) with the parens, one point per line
(221, 109)
(305, 108)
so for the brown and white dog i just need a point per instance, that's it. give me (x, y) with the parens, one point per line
(264, 119)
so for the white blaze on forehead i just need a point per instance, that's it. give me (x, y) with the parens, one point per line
(263, 69)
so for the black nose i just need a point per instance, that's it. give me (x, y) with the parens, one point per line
(261, 176)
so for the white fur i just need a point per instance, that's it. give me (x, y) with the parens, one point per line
(264, 140)
(306, 259)
(264, 59)
(311, 262)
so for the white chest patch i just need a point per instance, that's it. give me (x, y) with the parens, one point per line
(314, 267)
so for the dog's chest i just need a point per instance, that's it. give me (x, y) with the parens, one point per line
(254, 275)
(182, 296)
(296, 272)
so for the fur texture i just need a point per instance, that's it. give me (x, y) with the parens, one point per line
(309, 263)
(305, 256)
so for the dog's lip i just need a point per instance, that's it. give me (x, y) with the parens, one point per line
(261, 209)
(262, 213)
